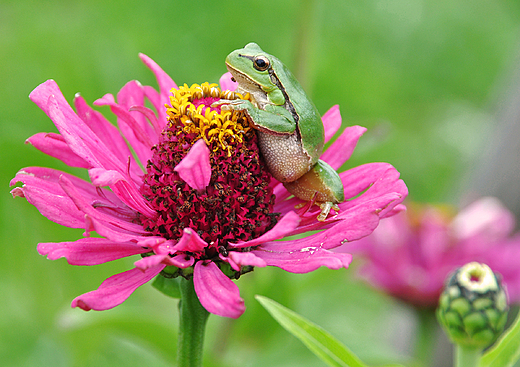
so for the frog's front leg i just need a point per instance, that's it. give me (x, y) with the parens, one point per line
(274, 119)
(321, 184)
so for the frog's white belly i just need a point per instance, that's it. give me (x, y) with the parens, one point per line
(284, 156)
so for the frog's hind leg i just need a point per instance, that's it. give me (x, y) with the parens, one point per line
(321, 184)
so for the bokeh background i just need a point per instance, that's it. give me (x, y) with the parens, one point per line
(431, 80)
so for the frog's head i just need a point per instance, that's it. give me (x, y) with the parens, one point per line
(251, 67)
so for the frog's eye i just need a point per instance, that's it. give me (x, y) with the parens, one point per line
(261, 63)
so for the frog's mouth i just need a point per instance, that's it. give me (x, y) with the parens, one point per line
(244, 82)
(248, 85)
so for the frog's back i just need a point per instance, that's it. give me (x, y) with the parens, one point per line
(310, 126)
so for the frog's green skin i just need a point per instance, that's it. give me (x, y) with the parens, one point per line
(290, 130)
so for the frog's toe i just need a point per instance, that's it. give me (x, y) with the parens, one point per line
(228, 104)
(325, 210)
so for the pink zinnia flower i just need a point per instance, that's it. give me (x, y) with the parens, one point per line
(202, 206)
(410, 255)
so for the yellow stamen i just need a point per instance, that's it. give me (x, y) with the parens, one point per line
(220, 130)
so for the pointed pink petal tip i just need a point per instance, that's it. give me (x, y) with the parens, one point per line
(194, 167)
(165, 82)
(331, 122)
(115, 290)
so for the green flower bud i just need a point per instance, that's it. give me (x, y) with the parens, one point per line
(473, 306)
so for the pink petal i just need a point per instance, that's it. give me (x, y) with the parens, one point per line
(194, 168)
(57, 208)
(433, 237)
(132, 96)
(165, 85)
(246, 258)
(55, 146)
(376, 206)
(160, 245)
(285, 206)
(394, 211)
(358, 179)
(287, 224)
(90, 251)
(130, 195)
(103, 177)
(149, 262)
(115, 290)
(485, 217)
(391, 233)
(49, 178)
(230, 261)
(43, 189)
(226, 83)
(331, 122)
(138, 133)
(371, 183)
(109, 135)
(304, 260)
(190, 241)
(378, 179)
(114, 230)
(106, 225)
(181, 261)
(150, 115)
(76, 133)
(217, 293)
(282, 205)
(155, 99)
(354, 224)
(363, 183)
(125, 190)
(341, 150)
(165, 82)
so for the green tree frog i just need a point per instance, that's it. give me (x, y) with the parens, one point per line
(290, 130)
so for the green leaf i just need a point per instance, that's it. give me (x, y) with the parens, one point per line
(319, 341)
(506, 350)
(168, 286)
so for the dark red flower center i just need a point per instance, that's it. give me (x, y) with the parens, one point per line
(237, 205)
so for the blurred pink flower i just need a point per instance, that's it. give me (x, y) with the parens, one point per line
(203, 206)
(410, 255)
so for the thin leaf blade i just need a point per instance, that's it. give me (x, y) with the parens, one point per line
(319, 341)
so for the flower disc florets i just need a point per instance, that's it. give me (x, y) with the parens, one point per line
(237, 204)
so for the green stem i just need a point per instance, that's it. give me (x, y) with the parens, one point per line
(467, 357)
(426, 330)
(192, 325)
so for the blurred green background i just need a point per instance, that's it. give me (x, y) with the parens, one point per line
(424, 76)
